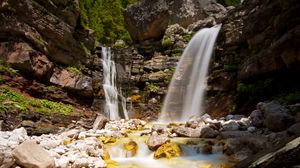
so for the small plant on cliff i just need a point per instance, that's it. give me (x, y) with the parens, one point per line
(151, 87)
(75, 70)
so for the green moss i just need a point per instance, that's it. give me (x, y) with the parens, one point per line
(289, 98)
(75, 70)
(4, 67)
(106, 18)
(231, 67)
(120, 44)
(166, 42)
(254, 88)
(12, 100)
(187, 37)
(229, 2)
(151, 87)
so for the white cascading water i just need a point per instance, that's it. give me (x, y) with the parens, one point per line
(186, 90)
(110, 87)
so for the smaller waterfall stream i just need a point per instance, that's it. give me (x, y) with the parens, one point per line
(186, 90)
(112, 96)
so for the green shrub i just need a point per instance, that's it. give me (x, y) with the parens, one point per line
(231, 67)
(4, 67)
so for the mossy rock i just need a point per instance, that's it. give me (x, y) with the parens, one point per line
(106, 140)
(167, 42)
(131, 148)
(168, 150)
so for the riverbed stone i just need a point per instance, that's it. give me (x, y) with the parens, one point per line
(208, 132)
(187, 132)
(30, 154)
(156, 141)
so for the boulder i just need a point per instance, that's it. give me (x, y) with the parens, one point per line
(230, 125)
(72, 80)
(187, 132)
(276, 117)
(235, 134)
(208, 132)
(156, 141)
(30, 154)
(256, 118)
(146, 20)
(100, 122)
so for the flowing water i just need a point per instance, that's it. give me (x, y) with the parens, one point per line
(186, 90)
(112, 96)
(191, 154)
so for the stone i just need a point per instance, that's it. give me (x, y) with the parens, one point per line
(30, 154)
(187, 132)
(168, 150)
(156, 141)
(208, 132)
(100, 122)
(276, 117)
(84, 86)
(160, 129)
(207, 149)
(256, 118)
(251, 129)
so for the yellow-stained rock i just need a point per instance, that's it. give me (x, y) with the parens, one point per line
(106, 140)
(131, 148)
(168, 150)
(67, 141)
(105, 155)
(205, 165)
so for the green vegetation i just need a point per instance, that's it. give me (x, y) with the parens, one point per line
(151, 87)
(106, 18)
(231, 67)
(289, 98)
(229, 2)
(166, 42)
(11, 100)
(255, 88)
(75, 70)
(4, 67)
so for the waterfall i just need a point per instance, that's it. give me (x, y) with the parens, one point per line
(186, 90)
(112, 95)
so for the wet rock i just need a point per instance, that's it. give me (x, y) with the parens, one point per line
(168, 150)
(208, 132)
(251, 129)
(131, 148)
(256, 118)
(156, 141)
(207, 149)
(29, 154)
(187, 132)
(276, 117)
